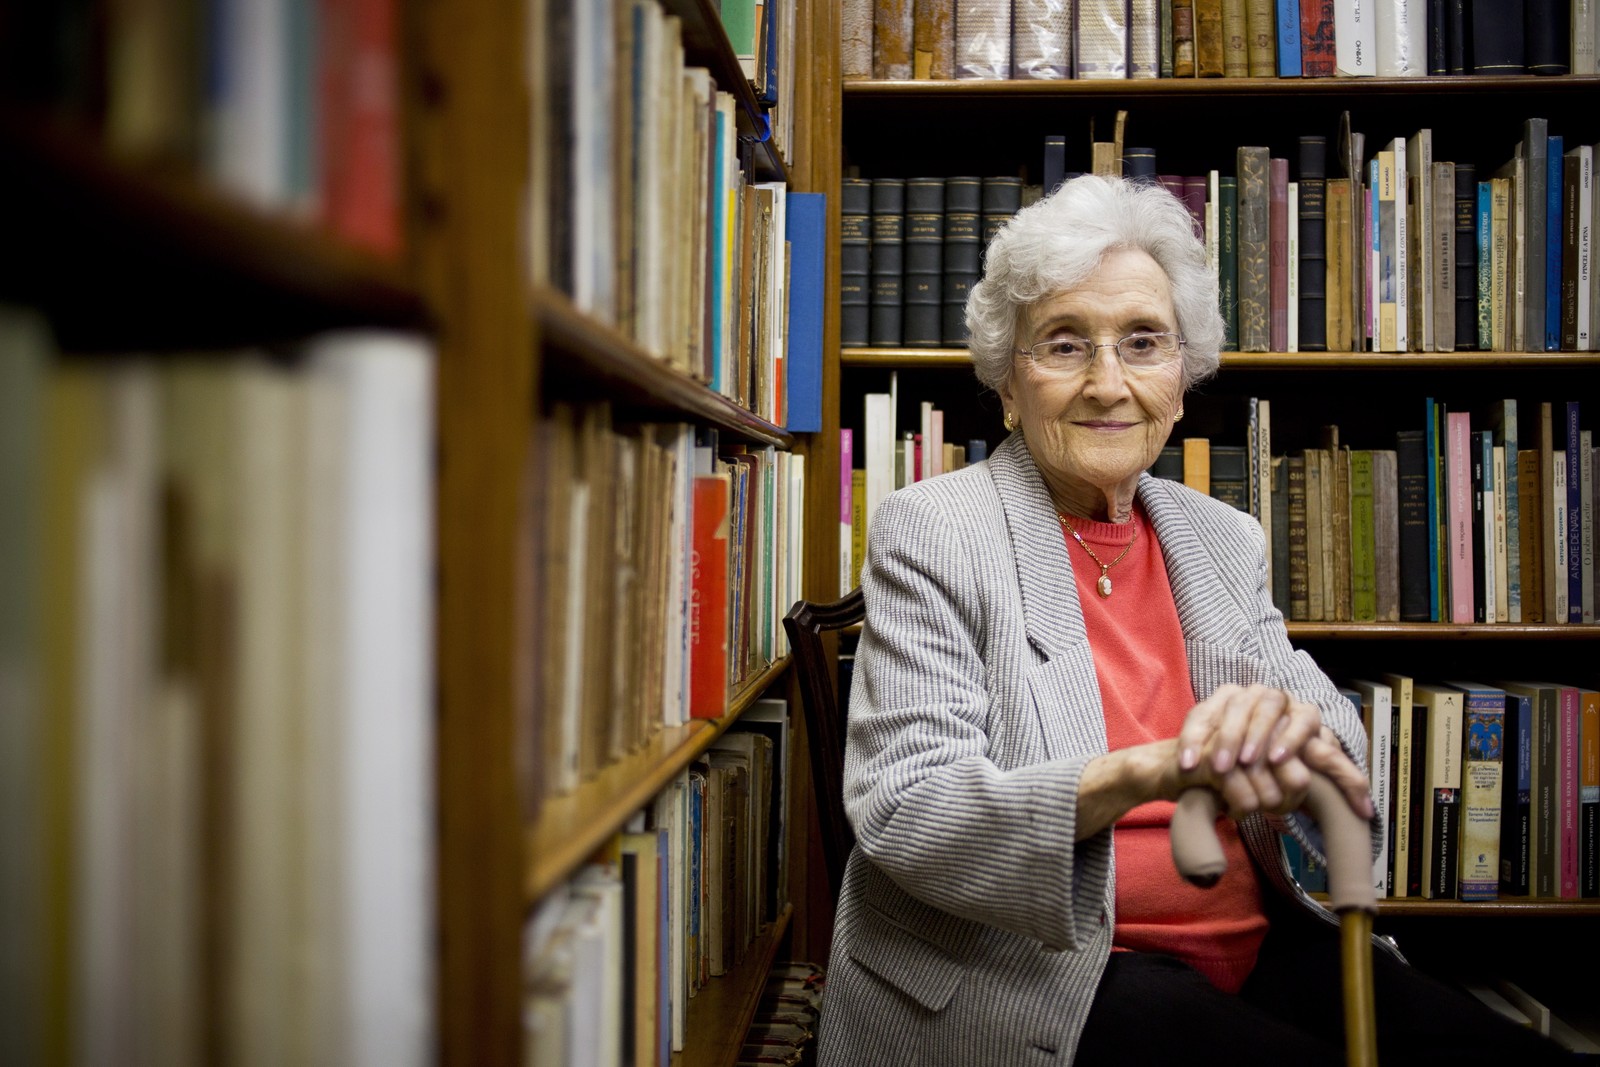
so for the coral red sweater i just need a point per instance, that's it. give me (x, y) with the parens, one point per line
(1143, 671)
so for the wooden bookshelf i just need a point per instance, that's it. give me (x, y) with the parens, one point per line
(1531, 907)
(721, 1012)
(1441, 631)
(957, 358)
(569, 829)
(1136, 89)
(584, 357)
(165, 260)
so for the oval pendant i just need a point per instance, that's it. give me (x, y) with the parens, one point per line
(1104, 585)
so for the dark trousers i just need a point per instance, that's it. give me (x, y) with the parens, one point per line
(1153, 1009)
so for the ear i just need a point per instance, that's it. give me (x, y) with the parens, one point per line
(1007, 396)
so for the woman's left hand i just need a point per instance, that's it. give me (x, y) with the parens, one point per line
(1257, 746)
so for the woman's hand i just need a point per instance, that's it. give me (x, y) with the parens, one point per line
(1256, 747)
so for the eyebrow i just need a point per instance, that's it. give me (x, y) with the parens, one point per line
(1073, 323)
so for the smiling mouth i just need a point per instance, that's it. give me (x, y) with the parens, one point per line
(1104, 425)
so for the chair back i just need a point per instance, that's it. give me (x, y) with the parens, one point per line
(817, 673)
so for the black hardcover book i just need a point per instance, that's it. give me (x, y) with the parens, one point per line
(1516, 796)
(1280, 534)
(963, 254)
(1480, 605)
(1055, 161)
(1411, 459)
(1547, 36)
(924, 263)
(1458, 36)
(1497, 37)
(1419, 797)
(1169, 464)
(1313, 244)
(1139, 164)
(888, 261)
(1002, 198)
(1229, 481)
(1466, 256)
(1438, 37)
(855, 249)
(1228, 259)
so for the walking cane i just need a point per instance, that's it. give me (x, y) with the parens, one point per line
(1198, 856)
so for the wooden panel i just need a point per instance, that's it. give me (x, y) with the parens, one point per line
(720, 1013)
(470, 132)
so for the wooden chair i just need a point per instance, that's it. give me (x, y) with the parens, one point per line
(825, 718)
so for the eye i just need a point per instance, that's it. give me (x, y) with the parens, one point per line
(1065, 348)
(1142, 343)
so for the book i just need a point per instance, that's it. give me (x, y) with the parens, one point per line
(933, 40)
(1411, 453)
(1363, 562)
(709, 622)
(1466, 255)
(1441, 812)
(1516, 795)
(1546, 25)
(846, 509)
(888, 261)
(1226, 474)
(1401, 38)
(1544, 824)
(1483, 736)
(1573, 483)
(1407, 811)
(1209, 47)
(1316, 38)
(1497, 37)
(1100, 39)
(1588, 793)
(806, 221)
(855, 243)
(1503, 423)
(1481, 456)
(963, 252)
(1228, 258)
(1568, 789)
(1355, 36)
(1278, 224)
(1254, 250)
(923, 284)
(1313, 224)
(1298, 545)
(1197, 464)
(1319, 531)
(1460, 534)
(1386, 534)
(1377, 715)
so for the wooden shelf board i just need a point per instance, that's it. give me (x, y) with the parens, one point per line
(1219, 87)
(721, 1012)
(953, 358)
(123, 258)
(570, 828)
(587, 358)
(1510, 907)
(1439, 631)
(705, 44)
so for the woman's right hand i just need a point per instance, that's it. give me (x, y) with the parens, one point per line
(1255, 746)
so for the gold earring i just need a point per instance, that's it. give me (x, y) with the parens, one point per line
(1010, 422)
(1179, 415)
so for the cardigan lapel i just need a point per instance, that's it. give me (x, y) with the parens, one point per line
(1208, 611)
(1050, 608)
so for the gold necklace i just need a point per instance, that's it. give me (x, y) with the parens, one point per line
(1104, 582)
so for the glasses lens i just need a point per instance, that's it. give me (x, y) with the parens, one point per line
(1148, 349)
(1066, 353)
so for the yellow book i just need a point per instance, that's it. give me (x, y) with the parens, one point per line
(858, 525)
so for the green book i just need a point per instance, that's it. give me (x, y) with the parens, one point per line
(1363, 534)
(1228, 259)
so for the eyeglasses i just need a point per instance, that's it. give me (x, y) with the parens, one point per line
(1138, 352)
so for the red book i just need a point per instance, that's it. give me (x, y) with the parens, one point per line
(1278, 244)
(359, 85)
(1458, 499)
(708, 598)
(1316, 38)
(1568, 779)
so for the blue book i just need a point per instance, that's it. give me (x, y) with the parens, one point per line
(1574, 518)
(1486, 338)
(769, 97)
(1431, 432)
(1516, 795)
(1289, 39)
(806, 229)
(1553, 239)
(1483, 709)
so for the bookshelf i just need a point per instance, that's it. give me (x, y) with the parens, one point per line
(998, 128)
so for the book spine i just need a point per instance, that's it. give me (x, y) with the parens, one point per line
(855, 250)
(1545, 25)
(1555, 193)
(1530, 542)
(855, 39)
(1281, 596)
(1254, 250)
(1484, 212)
(1574, 515)
(963, 253)
(1288, 20)
(1505, 436)
(1316, 38)
(1438, 38)
(1261, 21)
(1536, 146)
(1586, 569)
(1516, 796)
(1402, 38)
(1363, 565)
(1313, 258)
(1340, 199)
(1386, 533)
(1235, 35)
(1544, 875)
(933, 40)
(1483, 734)
(1040, 36)
(1588, 793)
(1101, 39)
(983, 40)
(1319, 527)
(1355, 37)
(1420, 801)
(1482, 550)
(1299, 579)
(1443, 797)
(1413, 493)
(1208, 39)
(1567, 796)
(1497, 37)
(892, 34)
(1228, 259)
(1440, 302)
(924, 263)
(1466, 255)
(1458, 497)
(888, 261)
(1278, 251)
(1432, 446)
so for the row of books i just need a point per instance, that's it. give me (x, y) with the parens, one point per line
(761, 34)
(1489, 790)
(615, 954)
(660, 540)
(1454, 524)
(784, 1029)
(293, 113)
(641, 209)
(905, 40)
(217, 661)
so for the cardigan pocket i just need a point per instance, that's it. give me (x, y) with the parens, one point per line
(915, 966)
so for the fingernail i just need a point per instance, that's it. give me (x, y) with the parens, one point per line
(1187, 759)
(1222, 760)
(1247, 754)
(1277, 754)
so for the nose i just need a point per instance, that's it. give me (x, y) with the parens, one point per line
(1105, 376)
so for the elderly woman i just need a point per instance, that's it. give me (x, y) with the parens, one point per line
(1055, 645)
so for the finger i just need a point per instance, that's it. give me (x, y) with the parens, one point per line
(1265, 722)
(1240, 708)
(1301, 723)
(1326, 757)
(1198, 726)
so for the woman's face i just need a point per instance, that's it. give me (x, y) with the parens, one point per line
(1093, 429)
